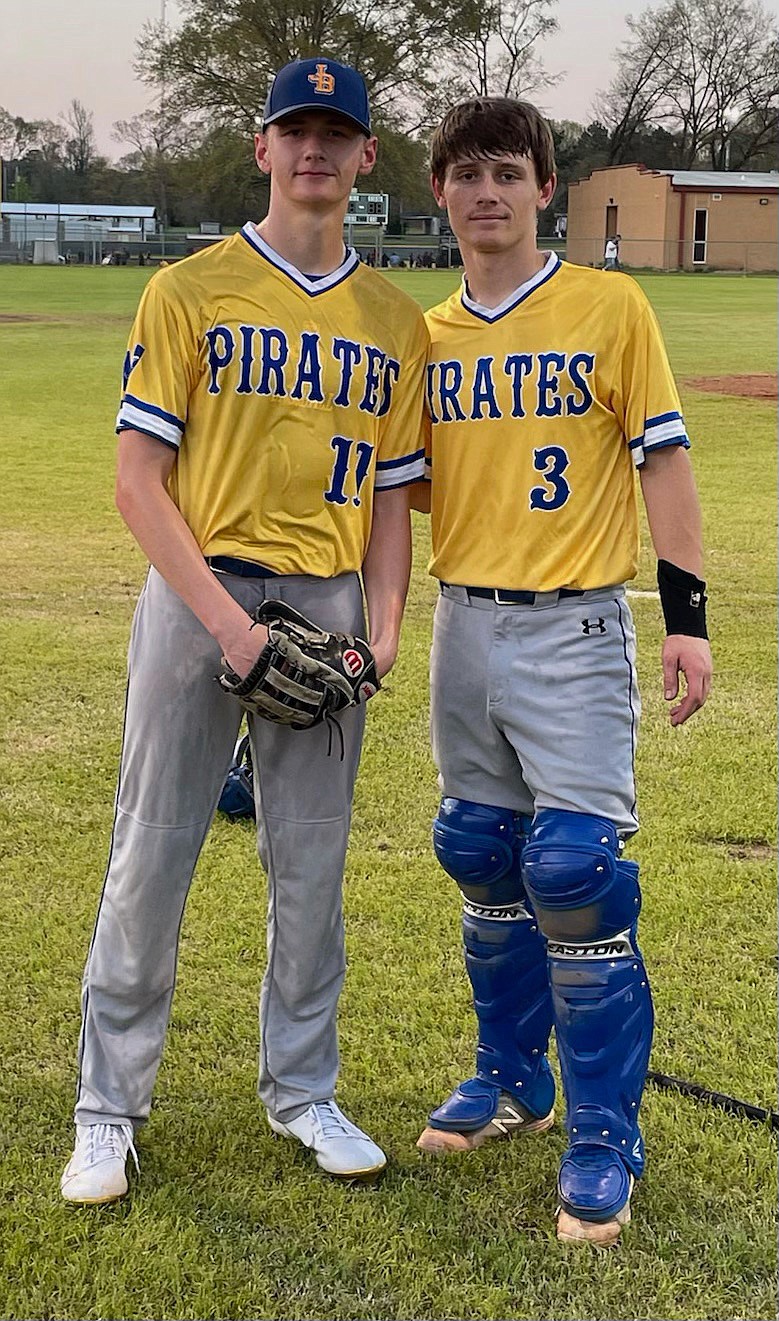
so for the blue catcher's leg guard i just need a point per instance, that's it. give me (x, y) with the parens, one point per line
(480, 847)
(587, 901)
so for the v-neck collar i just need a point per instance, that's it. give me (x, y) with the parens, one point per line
(304, 282)
(549, 268)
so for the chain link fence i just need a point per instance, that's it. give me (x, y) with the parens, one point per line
(743, 256)
(90, 243)
(27, 240)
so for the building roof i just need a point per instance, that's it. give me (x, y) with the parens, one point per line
(81, 210)
(722, 180)
(704, 180)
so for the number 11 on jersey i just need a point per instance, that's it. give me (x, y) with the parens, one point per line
(344, 458)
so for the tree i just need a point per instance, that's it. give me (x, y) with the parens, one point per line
(411, 52)
(20, 137)
(402, 172)
(80, 145)
(34, 151)
(221, 59)
(492, 45)
(216, 179)
(703, 70)
(160, 137)
(578, 151)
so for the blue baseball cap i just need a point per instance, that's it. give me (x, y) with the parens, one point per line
(319, 84)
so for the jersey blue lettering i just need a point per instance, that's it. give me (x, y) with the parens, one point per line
(448, 393)
(273, 363)
(364, 455)
(549, 402)
(335, 493)
(552, 461)
(131, 361)
(517, 366)
(391, 375)
(247, 334)
(309, 369)
(484, 390)
(579, 364)
(217, 361)
(429, 388)
(375, 359)
(348, 354)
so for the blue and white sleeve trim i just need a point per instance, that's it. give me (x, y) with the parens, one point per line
(400, 472)
(665, 429)
(136, 415)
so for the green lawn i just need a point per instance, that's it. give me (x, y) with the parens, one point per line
(228, 1222)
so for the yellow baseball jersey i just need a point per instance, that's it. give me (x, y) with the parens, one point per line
(290, 399)
(540, 410)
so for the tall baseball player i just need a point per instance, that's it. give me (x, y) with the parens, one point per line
(270, 422)
(548, 386)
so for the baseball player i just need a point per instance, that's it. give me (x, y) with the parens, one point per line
(270, 421)
(548, 386)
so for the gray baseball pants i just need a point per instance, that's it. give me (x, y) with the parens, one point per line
(536, 706)
(179, 735)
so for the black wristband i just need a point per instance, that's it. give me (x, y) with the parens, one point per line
(683, 598)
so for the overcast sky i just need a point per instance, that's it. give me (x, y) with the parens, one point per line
(51, 52)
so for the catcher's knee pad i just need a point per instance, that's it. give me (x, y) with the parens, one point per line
(580, 887)
(587, 901)
(480, 847)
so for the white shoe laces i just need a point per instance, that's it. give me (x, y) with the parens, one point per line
(333, 1123)
(109, 1142)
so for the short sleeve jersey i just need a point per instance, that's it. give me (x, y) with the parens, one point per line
(288, 399)
(540, 411)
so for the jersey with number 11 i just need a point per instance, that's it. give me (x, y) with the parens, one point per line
(541, 409)
(289, 399)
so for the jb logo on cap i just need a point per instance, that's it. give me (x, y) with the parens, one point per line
(323, 81)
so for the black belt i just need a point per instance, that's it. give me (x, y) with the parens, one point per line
(241, 568)
(505, 596)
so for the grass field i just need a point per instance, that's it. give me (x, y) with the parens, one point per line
(228, 1222)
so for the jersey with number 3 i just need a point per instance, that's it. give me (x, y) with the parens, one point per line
(289, 399)
(541, 409)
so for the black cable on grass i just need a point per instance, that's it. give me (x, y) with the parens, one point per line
(664, 1082)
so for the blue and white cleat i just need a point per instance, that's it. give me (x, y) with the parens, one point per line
(475, 1112)
(594, 1187)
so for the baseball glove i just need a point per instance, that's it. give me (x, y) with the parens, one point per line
(304, 674)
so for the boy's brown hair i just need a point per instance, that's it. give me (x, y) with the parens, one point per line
(493, 126)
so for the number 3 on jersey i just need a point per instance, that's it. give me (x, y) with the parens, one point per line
(552, 461)
(342, 445)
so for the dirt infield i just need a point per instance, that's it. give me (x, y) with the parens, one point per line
(10, 317)
(760, 385)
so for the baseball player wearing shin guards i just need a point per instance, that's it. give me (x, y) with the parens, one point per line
(270, 423)
(548, 386)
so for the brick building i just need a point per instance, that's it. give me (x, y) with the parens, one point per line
(676, 219)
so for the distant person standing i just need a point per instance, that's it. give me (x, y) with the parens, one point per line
(611, 254)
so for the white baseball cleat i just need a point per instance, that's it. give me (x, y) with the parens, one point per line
(340, 1147)
(96, 1172)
